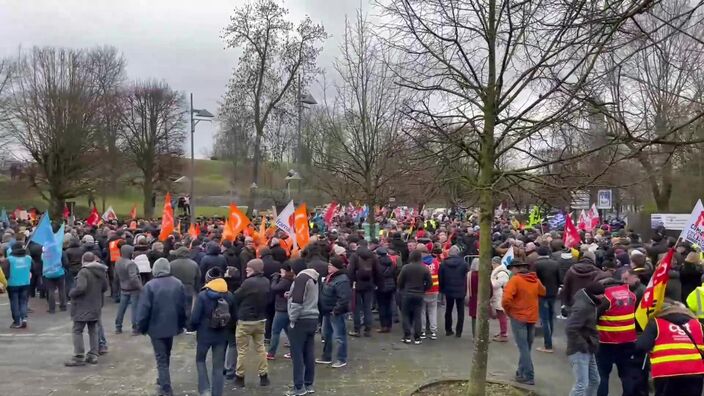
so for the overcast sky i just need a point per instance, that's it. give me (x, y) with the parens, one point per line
(175, 40)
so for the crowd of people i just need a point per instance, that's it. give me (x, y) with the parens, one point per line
(239, 296)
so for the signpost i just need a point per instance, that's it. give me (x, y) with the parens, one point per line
(604, 199)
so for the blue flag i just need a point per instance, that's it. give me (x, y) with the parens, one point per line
(4, 218)
(51, 247)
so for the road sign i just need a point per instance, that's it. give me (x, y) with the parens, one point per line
(604, 199)
(580, 200)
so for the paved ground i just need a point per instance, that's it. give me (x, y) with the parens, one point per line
(31, 363)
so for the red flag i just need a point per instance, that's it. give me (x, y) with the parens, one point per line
(330, 213)
(193, 231)
(133, 212)
(67, 212)
(571, 237)
(583, 221)
(167, 219)
(94, 217)
(594, 219)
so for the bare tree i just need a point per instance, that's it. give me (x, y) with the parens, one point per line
(53, 112)
(274, 54)
(152, 133)
(501, 82)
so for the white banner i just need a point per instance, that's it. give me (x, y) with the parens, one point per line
(285, 220)
(694, 229)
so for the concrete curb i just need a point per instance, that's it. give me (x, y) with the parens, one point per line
(529, 391)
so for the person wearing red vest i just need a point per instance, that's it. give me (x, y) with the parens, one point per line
(675, 342)
(617, 337)
(430, 300)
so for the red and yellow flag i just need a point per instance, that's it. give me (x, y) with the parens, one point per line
(167, 219)
(301, 226)
(654, 295)
(238, 221)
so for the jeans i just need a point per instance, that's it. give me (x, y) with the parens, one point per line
(302, 339)
(524, 333)
(127, 298)
(334, 329)
(78, 345)
(411, 312)
(188, 305)
(586, 374)
(70, 281)
(547, 319)
(270, 313)
(102, 341)
(384, 300)
(255, 330)
(429, 307)
(218, 358)
(19, 296)
(363, 305)
(231, 357)
(52, 285)
(162, 353)
(450, 303)
(620, 355)
(279, 323)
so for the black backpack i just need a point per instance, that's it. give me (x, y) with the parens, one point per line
(220, 316)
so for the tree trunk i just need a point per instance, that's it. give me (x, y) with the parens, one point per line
(371, 219)
(255, 170)
(148, 190)
(56, 208)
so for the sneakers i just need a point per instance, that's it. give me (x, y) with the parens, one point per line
(91, 359)
(23, 325)
(449, 333)
(239, 381)
(406, 340)
(15, 326)
(544, 350)
(103, 350)
(500, 338)
(287, 355)
(75, 361)
(296, 392)
(270, 356)
(525, 381)
(338, 364)
(417, 341)
(433, 336)
(323, 361)
(310, 389)
(423, 336)
(353, 333)
(264, 380)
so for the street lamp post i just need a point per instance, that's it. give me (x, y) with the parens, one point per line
(197, 115)
(302, 99)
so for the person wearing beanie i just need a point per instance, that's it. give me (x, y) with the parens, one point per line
(335, 298)
(413, 281)
(86, 306)
(583, 338)
(187, 271)
(548, 272)
(212, 318)
(127, 274)
(280, 285)
(386, 287)
(250, 304)
(161, 315)
(452, 275)
(303, 315)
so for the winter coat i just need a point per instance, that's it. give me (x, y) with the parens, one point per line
(499, 278)
(414, 279)
(565, 262)
(279, 286)
(271, 266)
(252, 297)
(452, 277)
(363, 270)
(582, 335)
(91, 247)
(161, 312)
(154, 255)
(473, 291)
(87, 294)
(203, 307)
(318, 264)
(303, 300)
(674, 286)
(578, 277)
(690, 278)
(186, 270)
(521, 294)
(279, 253)
(388, 273)
(74, 254)
(127, 272)
(212, 259)
(548, 271)
(672, 311)
(401, 247)
(336, 294)
(245, 256)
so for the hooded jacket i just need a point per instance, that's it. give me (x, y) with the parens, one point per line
(162, 304)
(388, 273)
(336, 294)
(363, 270)
(279, 286)
(203, 309)
(582, 335)
(186, 270)
(414, 279)
(453, 277)
(548, 271)
(87, 294)
(303, 300)
(74, 253)
(271, 266)
(252, 297)
(578, 277)
(213, 258)
(127, 271)
(520, 299)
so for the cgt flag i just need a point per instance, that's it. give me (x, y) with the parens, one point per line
(301, 226)
(571, 237)
(238, 221)
(654, 295)
(94, 218)
(167, 219)
(694, 230)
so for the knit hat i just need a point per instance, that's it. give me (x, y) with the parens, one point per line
(257, 265)
(337, 262)
(213, 273)
(88, 239)
(88, 257)
(454, 251)
(692, 258)
(161, 267)
(339, 250)
(298, 265)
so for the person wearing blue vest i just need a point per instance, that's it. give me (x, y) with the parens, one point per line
(20, 265)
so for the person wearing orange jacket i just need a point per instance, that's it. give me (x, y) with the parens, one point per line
(520, 302)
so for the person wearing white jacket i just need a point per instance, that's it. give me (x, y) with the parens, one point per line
(499, 278)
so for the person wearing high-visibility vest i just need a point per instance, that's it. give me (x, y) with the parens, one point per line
(695, 302)
(675, 342)
(617, 336)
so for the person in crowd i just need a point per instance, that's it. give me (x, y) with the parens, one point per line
(579, 276)
(213, 259)
(18, 281)
(472, 280)
(277, 251)
(212, 317)
(74, 255)
(250, 304)
(271, 267)
(385, 289)
(429, 312)
(303, 315)
(499, 277)
(161, 314)
(335, 298)
(691, 274)
(187, 271)
(280, 285)
(127, 274)
(452, 275)
(248, 252)
(54, 281)
(413, 281)
(520, 301)
(583, 339)
(548, 272)
(363, 273)
(86, 307)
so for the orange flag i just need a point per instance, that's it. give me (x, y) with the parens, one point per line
(193, 231)
(133, 212)
(227, 233)
(262, 232)
(167, 219)
(301, 226)
(238, 220)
